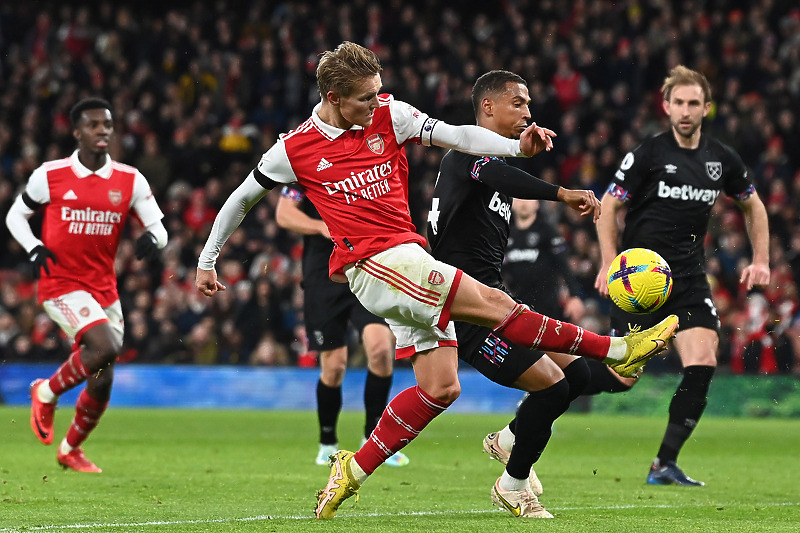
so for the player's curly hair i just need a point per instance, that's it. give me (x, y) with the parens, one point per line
(340, 70)
(682, 75)
(86, 104)
(492, 82)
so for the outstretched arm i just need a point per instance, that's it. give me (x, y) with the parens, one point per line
(756, 274)
(478, 140)
(228, 219)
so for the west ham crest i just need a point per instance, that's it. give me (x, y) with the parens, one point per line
(714, 170)
(375, 143)
(115, 196)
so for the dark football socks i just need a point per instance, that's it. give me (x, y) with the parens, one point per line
(329, 404)
(685, 410)
(376, 396)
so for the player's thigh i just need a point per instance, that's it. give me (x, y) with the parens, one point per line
(697, 346)
(494, 356)
(476, 303)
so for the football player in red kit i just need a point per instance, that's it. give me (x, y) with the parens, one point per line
(349, 159)
(86, 199)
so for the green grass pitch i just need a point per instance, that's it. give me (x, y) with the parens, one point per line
(170, 471)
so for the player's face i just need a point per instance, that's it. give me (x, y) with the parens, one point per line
(94, 131)
(510, 112)
(359, 107)
(686, 108)
(524, 209)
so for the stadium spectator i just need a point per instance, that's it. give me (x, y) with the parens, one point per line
(276, 52)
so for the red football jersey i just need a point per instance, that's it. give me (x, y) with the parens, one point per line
(82, 226)
(358, 181)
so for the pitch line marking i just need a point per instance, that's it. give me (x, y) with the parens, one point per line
(113, 525)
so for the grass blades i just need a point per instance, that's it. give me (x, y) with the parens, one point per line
(171, 471)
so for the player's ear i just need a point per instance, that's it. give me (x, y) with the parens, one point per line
(487, 105)
(333, 97)
(665, 106)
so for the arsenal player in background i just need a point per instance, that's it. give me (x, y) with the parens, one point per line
(86, 199)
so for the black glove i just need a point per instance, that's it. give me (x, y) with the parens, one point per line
(38, 257)
(146, 247)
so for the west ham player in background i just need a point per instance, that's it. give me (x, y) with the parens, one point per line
(669, 184)
(86, 199)
(349, 159)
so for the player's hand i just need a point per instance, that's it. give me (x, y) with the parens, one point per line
(38, 257)
(146, 247)
(583, 201)
(755, 275)
(206, 282)
(535, 139)
(601, 281)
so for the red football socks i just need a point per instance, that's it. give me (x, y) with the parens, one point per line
(71, 374)
(539, 332)
(87, 414)
(402, 420)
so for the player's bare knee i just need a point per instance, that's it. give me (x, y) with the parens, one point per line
(447, 393)
(333, 375)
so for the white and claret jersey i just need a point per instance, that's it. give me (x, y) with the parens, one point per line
(84, 215)
(356, 178)
(670, 192)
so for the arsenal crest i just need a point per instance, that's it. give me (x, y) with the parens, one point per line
(375, 143)
(714, 170)
(435, 278)
(115, 196)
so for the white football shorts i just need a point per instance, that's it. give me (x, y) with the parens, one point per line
(77, 311)
(412, 291)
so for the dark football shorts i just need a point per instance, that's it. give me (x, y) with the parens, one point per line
(690, 301)
(328, 307)
(493, 355)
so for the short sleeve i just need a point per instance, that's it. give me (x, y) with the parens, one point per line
(275, 165)
(409, 122)
(38, 189)
(628, 177)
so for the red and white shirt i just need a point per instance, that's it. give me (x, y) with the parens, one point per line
(84, 215)
(356, 178)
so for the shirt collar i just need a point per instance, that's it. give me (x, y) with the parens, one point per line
(331, 131)
(83, 172)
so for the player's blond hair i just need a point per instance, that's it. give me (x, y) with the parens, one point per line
(340, 70)
(681, 75)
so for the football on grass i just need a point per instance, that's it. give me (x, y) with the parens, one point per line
(639, 281)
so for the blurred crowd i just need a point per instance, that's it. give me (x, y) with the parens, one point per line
(200, 91)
